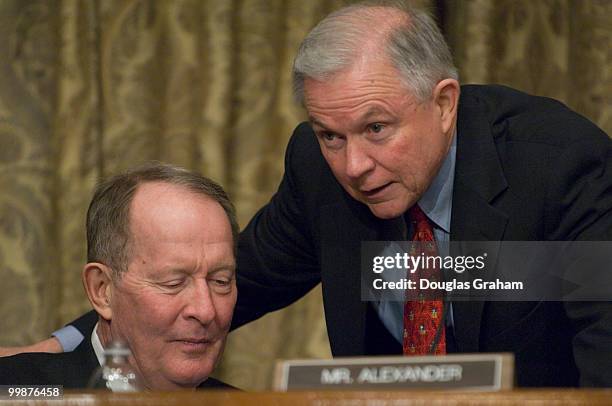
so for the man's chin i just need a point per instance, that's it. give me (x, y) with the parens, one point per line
(190, 374)
(190, 381)
(387, 210)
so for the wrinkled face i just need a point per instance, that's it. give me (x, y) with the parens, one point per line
(174, 304)
(382, 145)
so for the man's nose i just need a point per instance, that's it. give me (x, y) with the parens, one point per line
(358, 160)
(200, 305)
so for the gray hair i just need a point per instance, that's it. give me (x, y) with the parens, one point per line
(108, 216)
(415, 47)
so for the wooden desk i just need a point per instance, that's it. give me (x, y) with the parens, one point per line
(322, 398)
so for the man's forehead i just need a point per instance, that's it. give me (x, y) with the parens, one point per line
(161, 209)
(165, 196)
(369, 112)
(374, 94)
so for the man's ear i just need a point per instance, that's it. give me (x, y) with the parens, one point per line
(98, 283)
(446, 98)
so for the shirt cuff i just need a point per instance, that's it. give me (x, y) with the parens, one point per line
(69, 337)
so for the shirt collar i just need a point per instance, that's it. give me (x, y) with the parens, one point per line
(97, 345)
(437, 201)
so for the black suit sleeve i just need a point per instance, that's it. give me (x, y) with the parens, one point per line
(85, 323)
(276, 259)
(592, 343)
(581, 196)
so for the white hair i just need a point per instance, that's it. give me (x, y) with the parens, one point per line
(415, 46)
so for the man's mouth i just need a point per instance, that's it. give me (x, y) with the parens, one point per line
(194, 345)
(374, 192)
(195, 341)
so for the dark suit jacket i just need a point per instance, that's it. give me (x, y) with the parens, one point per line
(70, 369)
(527, 168)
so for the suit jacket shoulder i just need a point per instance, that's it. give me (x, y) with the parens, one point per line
(541, 165)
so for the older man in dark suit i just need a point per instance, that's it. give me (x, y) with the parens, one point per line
(160, 276)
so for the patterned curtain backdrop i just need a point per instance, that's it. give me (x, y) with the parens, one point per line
(92, 87)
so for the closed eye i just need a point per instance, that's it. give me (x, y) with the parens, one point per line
(221, 285)
(173, 284)
(221, 282)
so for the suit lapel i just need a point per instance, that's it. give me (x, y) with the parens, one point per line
(479, 179)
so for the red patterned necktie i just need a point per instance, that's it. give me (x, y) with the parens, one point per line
(422, 317)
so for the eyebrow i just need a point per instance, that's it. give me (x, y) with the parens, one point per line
(224, 267)
(316, 122)
(174, 270)
(372, 111)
